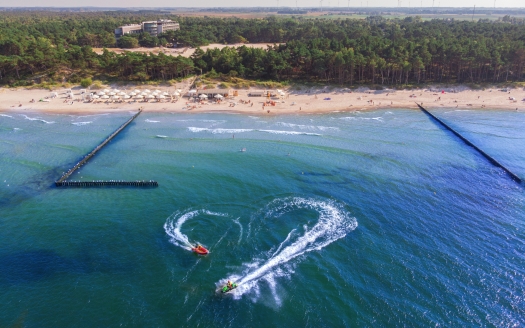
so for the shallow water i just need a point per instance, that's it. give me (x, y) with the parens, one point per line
(377, 218)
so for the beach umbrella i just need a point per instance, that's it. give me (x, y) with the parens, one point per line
(138, 97)
(126, 97)
(116, 90)
(192, 91)
(176, 94)
(106, 90)
(112, 93)
(218, 96)
(133, 94)
(121, 93)
(101, 93)
(157, 91)
(162, 97)
(147, 90)
(179, 90)
(95, 97)
(136, 91)
(165, 94)
(150, 96)
(105, 97)
(115, 97)
(203, 96)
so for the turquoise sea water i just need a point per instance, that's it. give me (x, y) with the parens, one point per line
(374, 219)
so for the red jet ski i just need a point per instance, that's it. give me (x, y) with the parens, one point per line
(200, 250)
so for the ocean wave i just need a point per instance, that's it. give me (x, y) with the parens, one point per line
(333, 223)
(218, 130)
(160, 136)
(291, 132)
(232, 131)
(17, 129)
(5, 115)
(81, 123)
(92, 115)
(37, 119)
(151, 121)
(307, 127)
(349, 118)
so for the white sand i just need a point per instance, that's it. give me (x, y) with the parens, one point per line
(183, 51)
(305, 101)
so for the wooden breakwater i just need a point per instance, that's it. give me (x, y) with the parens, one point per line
(110, 183)
(465, 140)
(63, 183)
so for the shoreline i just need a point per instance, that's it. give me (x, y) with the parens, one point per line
(313, 100)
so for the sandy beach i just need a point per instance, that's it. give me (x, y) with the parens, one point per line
(306, 100)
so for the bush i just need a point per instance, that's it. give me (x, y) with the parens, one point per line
(96, 85)
(128, 42)
(86, 82)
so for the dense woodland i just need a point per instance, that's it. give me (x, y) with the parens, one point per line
(52, 46)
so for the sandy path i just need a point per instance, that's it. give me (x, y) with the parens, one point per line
(185, 51)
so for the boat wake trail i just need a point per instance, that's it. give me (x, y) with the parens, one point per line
(333, 223)
(176, 220)
(240, 227)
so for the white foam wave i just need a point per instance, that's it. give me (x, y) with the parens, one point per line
(291, 132)
(84, 116)
(307, 127)
(176, 220)
(151, 121)
(37, 119)
(16, 129)
(218, 130)
(81, 123)
(334, 223)
(5, 115)
(160, 136)
(232, 131)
